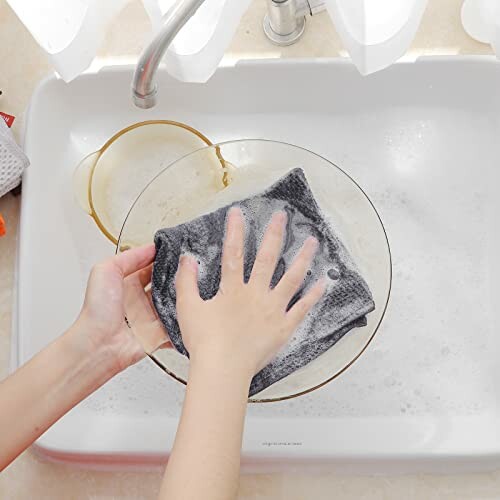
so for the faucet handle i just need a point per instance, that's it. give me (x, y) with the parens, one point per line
(285, 20)
(316, 6)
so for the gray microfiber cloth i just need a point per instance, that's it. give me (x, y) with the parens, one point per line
(344, 306)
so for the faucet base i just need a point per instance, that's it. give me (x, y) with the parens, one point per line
(287, 39)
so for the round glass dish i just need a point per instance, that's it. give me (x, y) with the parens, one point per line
(191, 186)
(107, 181)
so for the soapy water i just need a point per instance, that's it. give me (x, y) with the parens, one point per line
(242, 181)
(432, 356)
(439, 316)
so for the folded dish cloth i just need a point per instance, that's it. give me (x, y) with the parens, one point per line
(12, 160)
(344, 306)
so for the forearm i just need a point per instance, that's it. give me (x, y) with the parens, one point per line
(47, 387)
(205, 459)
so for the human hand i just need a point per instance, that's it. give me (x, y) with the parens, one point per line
(97, 346)
(116, 288)
(245, 324)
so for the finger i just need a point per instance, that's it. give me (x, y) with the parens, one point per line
(139, 310)
(144, 275)
(133, 260)
(301, 308)
(149, 295)
(166, 345)
(137, 302)
(232, 255)
(269, 251)
(152, 336)
(186, 281)
(294, 277)
(142, 317)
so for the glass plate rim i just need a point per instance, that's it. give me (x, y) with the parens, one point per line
(216, 147)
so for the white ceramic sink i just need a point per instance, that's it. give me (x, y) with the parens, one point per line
(422, 140)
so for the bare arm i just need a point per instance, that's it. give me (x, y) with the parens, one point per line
(93, 350)
(230, 338)
(205, 461)
(45, 388)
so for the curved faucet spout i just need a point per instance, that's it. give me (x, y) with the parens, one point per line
(143, 85)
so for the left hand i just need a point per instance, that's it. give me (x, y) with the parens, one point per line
(95, 348)
(116, 288)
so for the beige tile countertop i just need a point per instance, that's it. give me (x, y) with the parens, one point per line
(22, 66)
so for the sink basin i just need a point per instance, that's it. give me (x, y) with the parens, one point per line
(421, 139)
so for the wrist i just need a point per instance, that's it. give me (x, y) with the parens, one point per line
(97, 362)
(69, 372)
(222, 368)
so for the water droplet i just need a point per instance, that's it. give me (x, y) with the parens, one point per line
(333, 274)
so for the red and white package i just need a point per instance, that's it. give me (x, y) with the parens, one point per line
(9, 119)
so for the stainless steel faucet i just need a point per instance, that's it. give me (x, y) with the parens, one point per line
(143, 84)
(285, 20)
(284, 24)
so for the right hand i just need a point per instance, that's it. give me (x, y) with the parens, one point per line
(244, 326)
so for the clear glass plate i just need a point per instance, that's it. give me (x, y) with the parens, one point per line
(195, 184)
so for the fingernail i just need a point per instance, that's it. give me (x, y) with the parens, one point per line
(322, 287)
(191, 261)
(234, 210)
(312, 243)
(186, 259)
(280, 216)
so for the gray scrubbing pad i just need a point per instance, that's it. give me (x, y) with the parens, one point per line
(344, 306)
